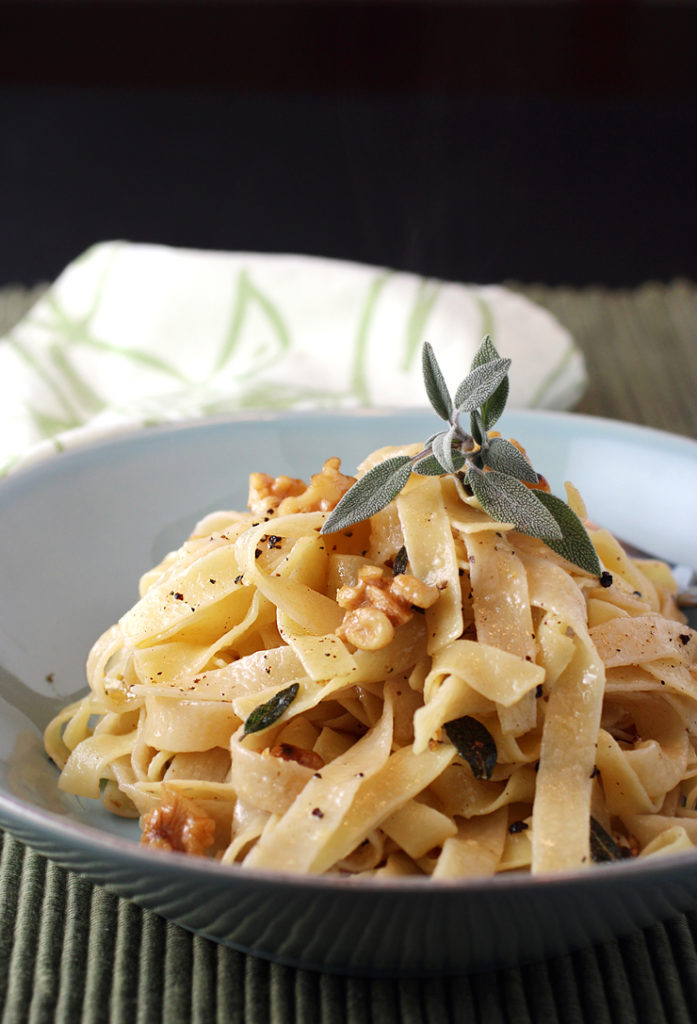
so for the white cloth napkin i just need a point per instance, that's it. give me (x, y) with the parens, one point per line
(131, 335)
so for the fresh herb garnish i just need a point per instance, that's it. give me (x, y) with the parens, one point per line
(492, 468)
(474, 743)
(603, 846)
(401, 561)
(266, 714)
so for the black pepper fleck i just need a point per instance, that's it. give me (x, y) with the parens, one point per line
(517, 826)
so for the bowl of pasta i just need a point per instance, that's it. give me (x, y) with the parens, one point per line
(425, 742)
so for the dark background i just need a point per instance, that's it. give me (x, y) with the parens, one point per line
(553, 142)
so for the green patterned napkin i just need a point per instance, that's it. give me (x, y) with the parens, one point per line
(131, 335)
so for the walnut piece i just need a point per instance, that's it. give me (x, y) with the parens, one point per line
(289, 752)
(286, 494)
(178, 824)
(367, 628)
(377, 604)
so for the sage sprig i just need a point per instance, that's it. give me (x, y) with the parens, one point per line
(493, 468)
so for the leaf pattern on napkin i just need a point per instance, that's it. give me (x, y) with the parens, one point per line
(131, 335)
(254, 353)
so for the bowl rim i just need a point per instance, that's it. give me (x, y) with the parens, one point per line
(40, 456)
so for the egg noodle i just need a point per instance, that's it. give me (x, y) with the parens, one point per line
(290, 700)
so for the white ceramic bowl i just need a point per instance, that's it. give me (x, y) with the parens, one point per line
(78, 530)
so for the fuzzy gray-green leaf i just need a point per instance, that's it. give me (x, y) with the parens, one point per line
(509, 501)
(430, 466)
(373, 491)
(506, 458)
(434, 381)
(480, 384)
(494, 406)
(476, 426)
(443, 448)
(486, 353)
(575, 544)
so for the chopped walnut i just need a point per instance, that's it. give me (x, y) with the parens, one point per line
(286, 494)
(178, 824)
(267, 493)
(367, 628)
(289, 752)
(377, 604)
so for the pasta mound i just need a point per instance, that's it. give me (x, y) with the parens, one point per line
(489, 707)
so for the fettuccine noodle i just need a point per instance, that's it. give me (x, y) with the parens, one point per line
(359, 650)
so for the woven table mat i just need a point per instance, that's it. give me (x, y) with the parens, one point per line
(640, 347)
(71, 951)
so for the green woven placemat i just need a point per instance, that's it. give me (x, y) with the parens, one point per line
(640, 347)
(70, 951)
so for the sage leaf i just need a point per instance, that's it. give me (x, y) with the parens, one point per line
(506, 458)
(603, 846)
(266, 714)
(480, 384)
(430, 466)
(474, 743)
(443, 448)
(477, 426)
(494, 406)
(401, 561)
(575, 545)
(509, 501)
(486, 353)
(434, 381)
(372, 492)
